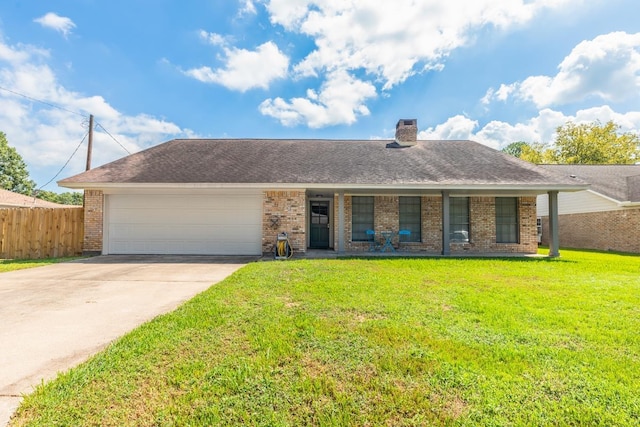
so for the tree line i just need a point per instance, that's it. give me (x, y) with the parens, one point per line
(586, 144)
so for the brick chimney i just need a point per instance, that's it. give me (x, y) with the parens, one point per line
(407, 132)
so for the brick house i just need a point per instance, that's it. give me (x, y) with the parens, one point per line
(606, 216)
(233, 196)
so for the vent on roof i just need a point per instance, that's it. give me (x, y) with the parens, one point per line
(406, 133)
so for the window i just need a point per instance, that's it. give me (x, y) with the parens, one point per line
(506, 220)
(410, 218)
(459, 219)
(361, 217)
(539, 228)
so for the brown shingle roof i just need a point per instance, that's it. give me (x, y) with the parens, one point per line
(619, 182)
(15, 200)
(367, 162)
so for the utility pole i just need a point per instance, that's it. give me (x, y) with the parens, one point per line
(90, 146)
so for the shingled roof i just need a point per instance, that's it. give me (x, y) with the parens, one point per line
(9, 199)
(619, 182)
(428, 164)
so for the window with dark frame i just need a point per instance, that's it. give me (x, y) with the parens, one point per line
(507, 220)
(459, 219)
(361, 217)
(410, 218)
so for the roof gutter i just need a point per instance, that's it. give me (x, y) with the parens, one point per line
(439, 187)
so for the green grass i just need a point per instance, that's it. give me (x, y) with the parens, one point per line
(13, 264)
(459, 342)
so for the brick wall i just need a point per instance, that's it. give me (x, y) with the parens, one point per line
(93, 222)
(613, 230)
(284, 211)
(482, 212)
(386, 213)
(483, 228)
(431, 226)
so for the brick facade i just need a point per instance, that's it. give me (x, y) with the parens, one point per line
(482, 213)
(93, 222)
(607, 231)
(287, 211)
(284, 211)
(482, 233)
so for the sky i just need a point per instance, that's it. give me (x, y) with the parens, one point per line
(492, 71)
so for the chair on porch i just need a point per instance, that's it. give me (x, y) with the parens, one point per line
(404, 236)
(371, 238)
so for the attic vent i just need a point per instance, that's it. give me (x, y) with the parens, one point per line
(406, 133)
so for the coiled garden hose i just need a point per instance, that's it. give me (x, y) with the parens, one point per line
(283, 248)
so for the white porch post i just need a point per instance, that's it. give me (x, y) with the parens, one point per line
(554, 239)
(341, 222)
(445, 223)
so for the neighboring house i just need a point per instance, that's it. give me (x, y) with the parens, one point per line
(9, 199)
(604, 217)
(233, 196)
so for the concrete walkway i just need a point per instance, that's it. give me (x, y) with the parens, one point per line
(54, 317)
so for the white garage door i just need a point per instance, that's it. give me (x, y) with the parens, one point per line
(184, 224)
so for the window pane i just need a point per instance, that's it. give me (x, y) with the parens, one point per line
(507, 220)
(410, 218)
(361, 217)
(319, 213)
(459, 219)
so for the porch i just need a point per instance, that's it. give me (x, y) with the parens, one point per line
(458, 223)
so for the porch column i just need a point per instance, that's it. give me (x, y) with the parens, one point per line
(554, 240)
(341, 222)
(445, 223)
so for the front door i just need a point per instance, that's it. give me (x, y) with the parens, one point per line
(320, 225)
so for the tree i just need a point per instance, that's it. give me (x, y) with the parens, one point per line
(537, 153)
(587, 143)
(515, 148)
(594, 143)
(13, 170)
(68, 198)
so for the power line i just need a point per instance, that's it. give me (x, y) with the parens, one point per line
(68, 111)
(67, 162)
(112, 137)
(41, 101)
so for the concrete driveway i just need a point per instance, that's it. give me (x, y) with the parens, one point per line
(54, 317)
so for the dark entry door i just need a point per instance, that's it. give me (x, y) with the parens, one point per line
(319, 225)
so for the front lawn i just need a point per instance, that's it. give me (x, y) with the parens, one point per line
(490, 342)
(19, 264)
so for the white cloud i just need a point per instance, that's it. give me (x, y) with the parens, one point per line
(605, 68)
(62, 24)
(246, 69)
(457, 127)
(501, 94)
(247, 8)
(392, 40)
(46, 136)
(341, 100)
(212, 38)
(542, 128)
(388, 41)
(20, 54)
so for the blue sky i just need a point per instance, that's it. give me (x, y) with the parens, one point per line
(494, 71)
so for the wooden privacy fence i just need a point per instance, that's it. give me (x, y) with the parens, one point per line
(34, 233)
